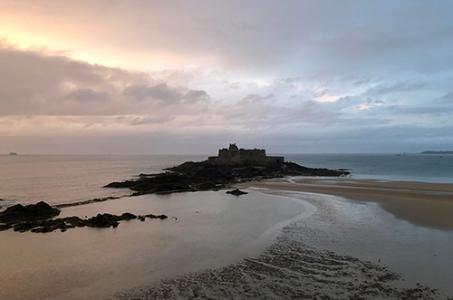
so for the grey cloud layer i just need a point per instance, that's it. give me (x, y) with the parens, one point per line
(33, 83)
(311, 37)
(108, 100)
(306, 75)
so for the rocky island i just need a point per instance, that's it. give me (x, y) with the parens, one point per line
(231, 166)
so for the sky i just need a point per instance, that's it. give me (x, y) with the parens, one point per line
(186, 77)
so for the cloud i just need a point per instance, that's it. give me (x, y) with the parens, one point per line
(35, 83)
(163, 93)
(305, 75)
(87, 94)
(255, 99)
(396, 87)
(300, 38)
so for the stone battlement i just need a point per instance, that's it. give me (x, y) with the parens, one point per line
(234, 155)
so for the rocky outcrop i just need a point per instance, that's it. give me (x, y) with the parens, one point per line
(38, 211)
(95, 200)
(236, 192)
(39, 218)
(201, 176)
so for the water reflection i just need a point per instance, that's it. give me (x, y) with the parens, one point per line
(211, 229)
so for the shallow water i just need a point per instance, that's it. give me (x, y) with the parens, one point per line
(366, 231)
(408, 167)
(212, 229)
(68, 178)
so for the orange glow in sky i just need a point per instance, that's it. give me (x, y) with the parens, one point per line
(94, 53)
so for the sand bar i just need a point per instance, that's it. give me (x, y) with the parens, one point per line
(424, 204)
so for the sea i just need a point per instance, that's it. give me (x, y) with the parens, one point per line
(69, 178)
(204, 229)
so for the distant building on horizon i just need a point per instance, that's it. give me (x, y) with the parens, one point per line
(234, 155)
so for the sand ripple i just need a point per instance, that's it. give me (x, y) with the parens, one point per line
(289, 269)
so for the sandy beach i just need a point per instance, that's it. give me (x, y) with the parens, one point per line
(425, 204)
(343, 249)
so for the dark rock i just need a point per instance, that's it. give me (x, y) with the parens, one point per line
(24, 226)
(49, 228)
(103, 220)
(95, 200)
(236, 192)
(161, 184)
(41, 224)
(128, 216)
(145, 175)
(208, 186)
(202, 176)
(151, 216)
(5, 227)
(74, 221)
(38, 211)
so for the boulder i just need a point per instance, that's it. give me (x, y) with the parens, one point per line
(38, 211)
(236, 192)
(128, 216)
(103, 220)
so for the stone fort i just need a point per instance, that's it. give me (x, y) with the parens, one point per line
(234, 155)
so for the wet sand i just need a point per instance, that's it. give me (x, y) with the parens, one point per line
(204, 230)
(223, 246)
(288, 270)
(345, 249)
(424, 204)
(300, 265)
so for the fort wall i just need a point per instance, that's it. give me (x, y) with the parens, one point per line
(234, 155)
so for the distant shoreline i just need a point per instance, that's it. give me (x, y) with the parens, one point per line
(437, 152)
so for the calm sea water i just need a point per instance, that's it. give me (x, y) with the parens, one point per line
(409, 167)
(66, 178)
